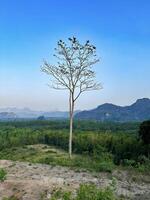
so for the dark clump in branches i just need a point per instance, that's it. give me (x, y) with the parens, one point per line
(74, 67)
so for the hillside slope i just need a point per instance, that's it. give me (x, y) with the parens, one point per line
(138, 111)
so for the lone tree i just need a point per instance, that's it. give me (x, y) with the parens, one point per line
(73, 72)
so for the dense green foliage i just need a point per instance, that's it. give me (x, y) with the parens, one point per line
(83, 125)
(102, 142)
(144, 132)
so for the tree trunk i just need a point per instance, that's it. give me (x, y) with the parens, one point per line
(71, 110)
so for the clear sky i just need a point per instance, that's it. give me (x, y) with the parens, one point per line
(29, 30)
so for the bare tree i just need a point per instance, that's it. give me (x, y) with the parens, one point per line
(73, 72)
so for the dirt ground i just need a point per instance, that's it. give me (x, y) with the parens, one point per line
(28, 181)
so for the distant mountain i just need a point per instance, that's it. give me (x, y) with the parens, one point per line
(7, 115)
(21, 112)
(138, 111)
(26, 113)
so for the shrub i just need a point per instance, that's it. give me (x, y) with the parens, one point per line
(105, 166)
(86, 192)
(143, 159)
(60, 194)
(130, 163)
(2, 175)
(90, 192)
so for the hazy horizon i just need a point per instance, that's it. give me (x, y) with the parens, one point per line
(120, 30)
(58, 110)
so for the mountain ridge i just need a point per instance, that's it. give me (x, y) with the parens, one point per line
(138, 111)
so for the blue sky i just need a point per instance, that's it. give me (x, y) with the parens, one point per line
(29, 30)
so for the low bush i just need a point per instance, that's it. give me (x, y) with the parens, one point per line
(86, 192)
(2, 175)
